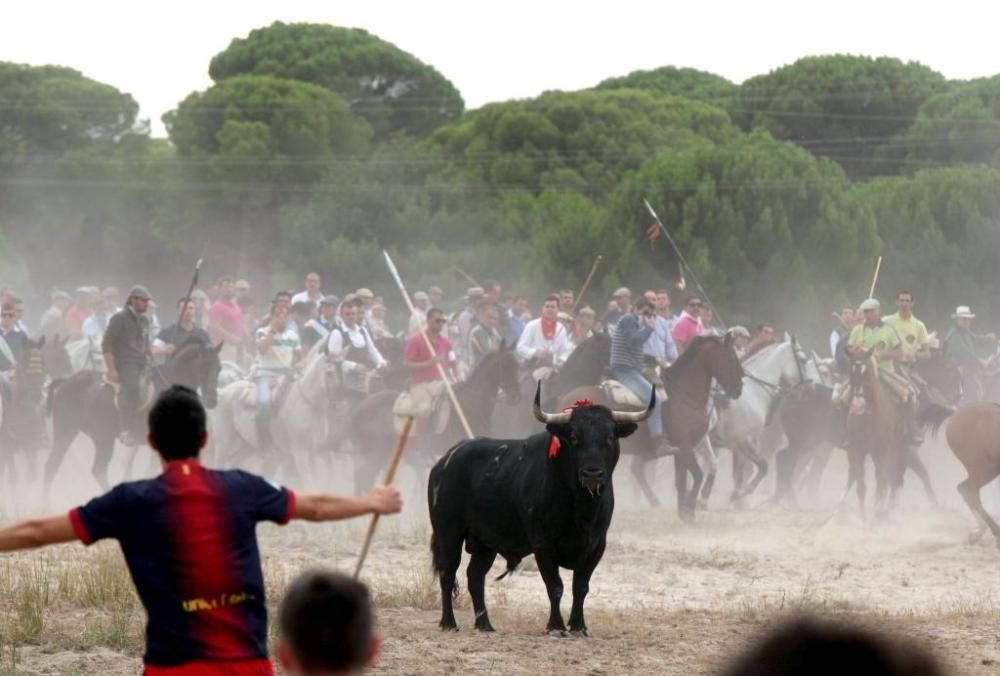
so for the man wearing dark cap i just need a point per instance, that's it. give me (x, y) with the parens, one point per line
(126, 347)
(318, 329)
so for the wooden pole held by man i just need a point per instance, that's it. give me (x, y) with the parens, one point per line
(586, 284)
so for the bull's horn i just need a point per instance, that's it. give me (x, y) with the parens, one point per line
(547, 418)
(636, 416)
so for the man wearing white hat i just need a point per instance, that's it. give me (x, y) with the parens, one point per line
(961, 347)
(875, 336)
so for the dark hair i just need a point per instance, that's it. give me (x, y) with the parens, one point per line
(282, 294)
(808, 646)
(904, 292)
(551, 297)
(328, 621)
(302, 307)
(177, 423)
(434, 311)
(184, 301)
(689, 299)
(644, 302)
(765, 325)
(490, 284)
(663, 291)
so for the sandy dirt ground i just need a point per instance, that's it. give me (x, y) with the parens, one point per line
(668, 598)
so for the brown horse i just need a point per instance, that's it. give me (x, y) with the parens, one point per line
(874, 428)
(973, 435)
(685, 413)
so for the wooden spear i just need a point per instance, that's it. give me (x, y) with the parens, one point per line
(878, 266)
(469, 278)
(389, 476)
(427, 342)
(586, 284)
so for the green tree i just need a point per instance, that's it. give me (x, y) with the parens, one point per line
(767, 227)
(959, 126)
(687, 82)
(578, 141)
(392, 89)
(848, 108)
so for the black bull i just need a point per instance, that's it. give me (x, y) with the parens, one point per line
(553, 499)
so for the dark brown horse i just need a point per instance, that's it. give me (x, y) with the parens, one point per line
(373, 435)
(874, 429)
(685, 413)
(973, 435)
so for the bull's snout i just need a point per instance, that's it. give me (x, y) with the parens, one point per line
(593, 479)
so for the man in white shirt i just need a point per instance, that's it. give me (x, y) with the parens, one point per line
(352, 346)
(278, 351)
(545, 341)
(313, 294)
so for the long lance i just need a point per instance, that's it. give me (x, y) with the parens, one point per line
(427, 341)
(683, 260)
(194, 283)
(878, 266)
(586, 284)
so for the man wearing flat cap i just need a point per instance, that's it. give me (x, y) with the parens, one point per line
(317, 329)
(875, 336)
(126, 347)
(619, 307)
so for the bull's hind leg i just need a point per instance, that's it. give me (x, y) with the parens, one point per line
(480, 564)
(548, 566)
(446, 550)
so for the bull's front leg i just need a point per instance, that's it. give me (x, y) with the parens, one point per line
(581, 585)
(548, 566)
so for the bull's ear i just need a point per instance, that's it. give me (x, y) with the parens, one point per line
(623, 430)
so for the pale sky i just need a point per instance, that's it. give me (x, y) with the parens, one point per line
(159, 52)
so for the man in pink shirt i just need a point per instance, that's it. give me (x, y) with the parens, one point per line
(225, 321)
(688, 326)
(426, 385)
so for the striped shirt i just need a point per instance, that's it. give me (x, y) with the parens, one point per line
(627, 342)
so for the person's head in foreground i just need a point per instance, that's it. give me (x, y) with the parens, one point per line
(820, 647)
(327, 626)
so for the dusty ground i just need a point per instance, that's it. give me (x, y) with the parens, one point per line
(668, 597)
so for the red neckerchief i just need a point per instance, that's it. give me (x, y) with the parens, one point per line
(549, 328)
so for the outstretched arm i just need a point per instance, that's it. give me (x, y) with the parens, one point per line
(329, 507)
(32, 533)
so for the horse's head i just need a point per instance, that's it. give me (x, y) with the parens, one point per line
(860, 377)
(724, 365)
(500, 369)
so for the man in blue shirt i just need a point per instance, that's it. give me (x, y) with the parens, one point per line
(189, 540)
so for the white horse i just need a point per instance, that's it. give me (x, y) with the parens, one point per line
(740, 426)
(299, 424)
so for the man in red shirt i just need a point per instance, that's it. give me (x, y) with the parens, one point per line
(426, 386)
(225, 321)
(189, 540)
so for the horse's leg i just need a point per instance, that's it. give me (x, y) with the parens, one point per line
(62, 437)
(969, 490)
(680, 482)
(640, 465)
(696, 479)
(104, 448)
(862, 489)
(748, 452)
(817, 465)
(709, 462)
(915, 463)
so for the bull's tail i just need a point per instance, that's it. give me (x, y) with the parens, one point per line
(932, 416)
(512, 564)
(437, 562)
(50, 392)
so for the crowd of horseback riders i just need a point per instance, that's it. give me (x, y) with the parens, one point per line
(282, 372)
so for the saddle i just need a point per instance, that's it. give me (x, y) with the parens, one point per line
(248, 397)
(429, 419)
(622, 398)
(146, 387)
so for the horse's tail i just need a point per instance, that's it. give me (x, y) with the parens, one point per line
(932, 416)
(50, 392)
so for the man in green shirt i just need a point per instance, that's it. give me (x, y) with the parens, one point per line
(912, 332)
(876, 337)
(485, 337)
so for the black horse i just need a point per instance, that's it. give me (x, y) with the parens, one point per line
(585, 367)
(373, 435)
(23, 425)
(86, 403)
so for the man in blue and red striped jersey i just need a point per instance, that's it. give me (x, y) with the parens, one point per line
(189, 539)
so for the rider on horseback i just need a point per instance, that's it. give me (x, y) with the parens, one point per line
(351, 345)
(631, 332)
(961, 347)
(126, 348)
(175, 335)
(278, 351)
(545, 342)
(876, 337)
